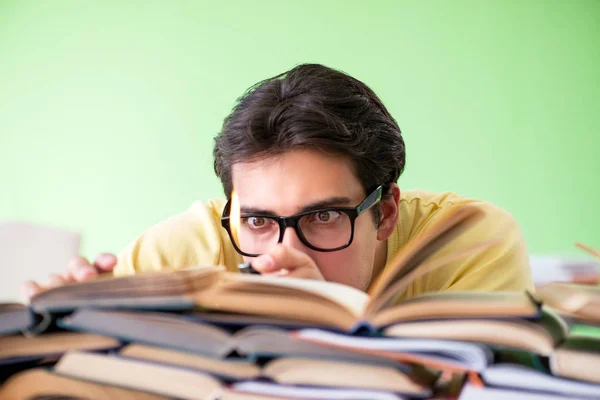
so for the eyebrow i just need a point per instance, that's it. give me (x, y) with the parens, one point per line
(318, 205)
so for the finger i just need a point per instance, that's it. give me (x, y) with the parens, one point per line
(79, 269)
(30, 289)
(264, 264)
(307, 272)
(303, 273)
(105, 262)
(282, 258)
(55, 281)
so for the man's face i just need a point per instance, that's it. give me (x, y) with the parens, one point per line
(284, 185)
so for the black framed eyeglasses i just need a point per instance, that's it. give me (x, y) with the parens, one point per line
(328, 229)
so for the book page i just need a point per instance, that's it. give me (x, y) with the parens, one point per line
(33, 252)
(37, 383)
(139, 375)
(419, 248)
(308, 392)
(338, 373)
(523, 378)
(472, 392)
(463, 355)
(350, 298)
(165, 290)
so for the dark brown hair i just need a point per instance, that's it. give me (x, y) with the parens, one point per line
(313, 106)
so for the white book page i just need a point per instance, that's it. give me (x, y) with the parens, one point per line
(32, 252)
(475, 357)
(471, 392)
(352, 299)
(303, 392)
(520, 377)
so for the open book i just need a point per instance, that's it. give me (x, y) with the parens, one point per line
(578, 357)
(294, 370)
(538, 383)
(16, 348)
(42, 384)
(150, 369)
(538, 336)
(444, 355)
(186, 334)
(316, 302)
(474, 345)
(577, 301)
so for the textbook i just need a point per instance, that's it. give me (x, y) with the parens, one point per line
(182, 333)
(473, 345)
(318, 303)
(539, 336)
(165, 380)
(578, 357)
(14, 317)
(291, 370)
(40, 383)
(514, 376)
(14, 348)
(577, 301)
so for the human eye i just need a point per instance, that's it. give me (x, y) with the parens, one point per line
(325, 217)
(256, 222)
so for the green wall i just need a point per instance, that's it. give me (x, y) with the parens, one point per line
(108, 108)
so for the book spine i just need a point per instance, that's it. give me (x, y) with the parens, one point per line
(364, 328)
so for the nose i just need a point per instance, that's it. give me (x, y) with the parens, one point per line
(291, 239)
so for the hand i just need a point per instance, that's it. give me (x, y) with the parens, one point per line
(286, 261)
(78, 270)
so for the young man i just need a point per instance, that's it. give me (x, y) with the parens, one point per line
(317, 147)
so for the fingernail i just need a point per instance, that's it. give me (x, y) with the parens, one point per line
(263, 263)
(30, 292)
(85, 274)
(106, 259)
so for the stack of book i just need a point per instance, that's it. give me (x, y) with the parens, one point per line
(204, 333)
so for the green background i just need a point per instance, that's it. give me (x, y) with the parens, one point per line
(108, 108)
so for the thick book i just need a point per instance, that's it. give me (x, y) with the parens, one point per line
(235, 370)
(318, 303)
(44, 384)
(41, 383)
(296, 370)
(514, 376)
(459, 345)
(576, 301)
(187, 383)
(539, 336)
(19, 348)
(184, 333)
(447, 355)
(228, 370)
(137, 375)
(578, 357)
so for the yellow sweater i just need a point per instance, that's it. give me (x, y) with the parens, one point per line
(196, 237)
